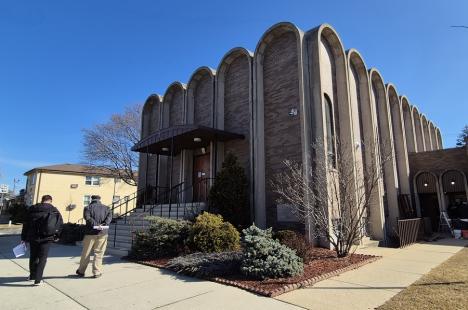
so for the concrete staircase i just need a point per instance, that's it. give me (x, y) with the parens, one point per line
(121, 232)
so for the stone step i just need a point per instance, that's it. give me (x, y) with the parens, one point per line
(120, 252)
(120, 244)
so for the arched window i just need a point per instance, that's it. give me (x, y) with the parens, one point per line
(330, 128)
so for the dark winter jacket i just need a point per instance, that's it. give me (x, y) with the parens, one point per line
(97, 214)
(35, 213)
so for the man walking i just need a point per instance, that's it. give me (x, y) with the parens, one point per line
(97, 217)
(42, 226)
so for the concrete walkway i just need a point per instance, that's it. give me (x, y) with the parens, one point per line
(124, 286)
(372, 285)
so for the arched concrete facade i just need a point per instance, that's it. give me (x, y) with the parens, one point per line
(174, 111)
(380, 100)
(233, 109)
(440, 143)
(411, 144)
(359, 90)
(452, 181)
(426, 182)
(433, 136)
(150, 123)
(200, 111)
(279, 86)
(426, 133)
(418, 129)
(399, 140)
(327, 80)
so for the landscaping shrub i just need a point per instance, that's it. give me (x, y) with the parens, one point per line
(265, 257)
(18, 213)
(295, 241)
(72, 233)
(207, 265)
(165, 237)
(229, 196)
(210, 233)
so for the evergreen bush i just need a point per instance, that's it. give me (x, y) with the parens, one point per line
(264, 257)
(210, 233)
(229, 194)
(18, 213)
(164, 238)
(295, 241)
(206, 265)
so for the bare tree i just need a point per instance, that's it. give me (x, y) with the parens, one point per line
(109, 145)
(333, 200)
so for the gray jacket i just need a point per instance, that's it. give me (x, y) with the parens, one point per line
(97, 214)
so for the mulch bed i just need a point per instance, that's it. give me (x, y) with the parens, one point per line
(324, 264)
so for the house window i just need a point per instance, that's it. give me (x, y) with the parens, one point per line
(330, 128)
(86, 200)
(92, 180)
(32, 179)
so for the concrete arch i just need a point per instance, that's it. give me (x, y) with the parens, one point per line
(174, 113)
(440, 143)
(359, 91)
(418, 129)
(422, 185)
(399, 139)
(278, 74)
(233, 109)
(452, 181)
(406, 107)
(200, 97)
(174, 105)
(151, 123)
(380, 100)
(426, 133)
(433, 136)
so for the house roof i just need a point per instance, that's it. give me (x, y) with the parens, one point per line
(73, 169)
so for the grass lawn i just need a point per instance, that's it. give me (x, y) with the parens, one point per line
(444, 287)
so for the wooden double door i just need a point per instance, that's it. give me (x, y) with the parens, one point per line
(201, 173)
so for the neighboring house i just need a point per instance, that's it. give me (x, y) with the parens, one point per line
(298, 88)
(71, 187)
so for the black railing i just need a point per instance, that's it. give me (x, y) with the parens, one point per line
(410, 231)
(173, 197)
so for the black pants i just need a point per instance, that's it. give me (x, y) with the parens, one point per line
(38, 259)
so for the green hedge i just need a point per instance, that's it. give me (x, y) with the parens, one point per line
(210, 233)
(18, 213)
(165, 238)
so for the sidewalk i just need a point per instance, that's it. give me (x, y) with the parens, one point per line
(13, 229)
(124, 285)
(372, 285)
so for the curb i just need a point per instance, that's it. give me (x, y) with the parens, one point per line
(284, 289)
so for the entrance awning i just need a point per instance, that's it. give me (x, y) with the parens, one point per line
(182, 137)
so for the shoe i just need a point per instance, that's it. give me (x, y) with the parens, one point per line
(81, 275)
(97, 275)
(38, 283)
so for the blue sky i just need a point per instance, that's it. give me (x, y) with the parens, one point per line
(66, 65)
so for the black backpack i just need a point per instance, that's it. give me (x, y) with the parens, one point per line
(51, 224)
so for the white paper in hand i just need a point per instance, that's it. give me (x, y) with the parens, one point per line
(19, 250)
(100, 227)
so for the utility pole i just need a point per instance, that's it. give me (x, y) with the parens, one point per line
(15, 181)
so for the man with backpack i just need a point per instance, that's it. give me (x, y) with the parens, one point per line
(42, 226)
(98, 218)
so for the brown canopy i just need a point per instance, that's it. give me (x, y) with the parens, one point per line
(182, 137)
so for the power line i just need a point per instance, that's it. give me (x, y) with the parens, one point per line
(461, 26)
